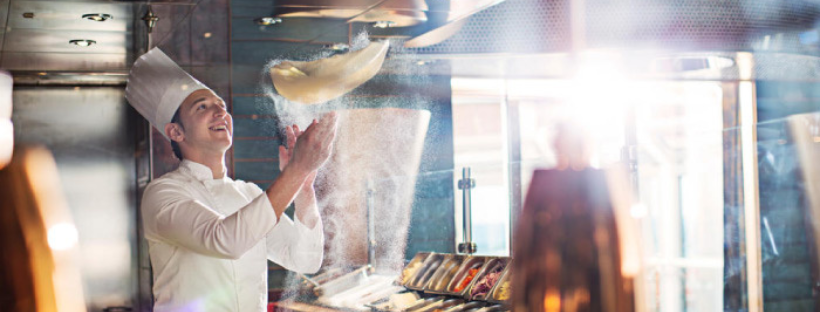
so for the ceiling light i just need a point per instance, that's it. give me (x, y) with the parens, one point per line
(720, 62)
(82, 42)
(207, 35)
(339, 47)
(267, 20)
(384, 24)
(97, 17)
(682, 64)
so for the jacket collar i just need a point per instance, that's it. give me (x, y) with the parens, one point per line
(199, 171)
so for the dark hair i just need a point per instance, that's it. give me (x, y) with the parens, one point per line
(174, 145)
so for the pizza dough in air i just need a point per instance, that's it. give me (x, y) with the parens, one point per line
(326, 79)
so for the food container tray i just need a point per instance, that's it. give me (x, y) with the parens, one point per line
(444, 274)
(461, 281)
(494, 308)
(424, 303)
(500, 289)
(412, 267)
(425, 272)
(486, 279)
(438, 305)
(384, 304)
(467, 306)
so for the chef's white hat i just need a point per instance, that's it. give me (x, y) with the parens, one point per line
(157, 86)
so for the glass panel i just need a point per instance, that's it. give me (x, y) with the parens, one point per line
(680, 155)
(787, 162)
(480, 142)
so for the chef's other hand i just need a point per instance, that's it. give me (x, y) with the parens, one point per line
(286, 151)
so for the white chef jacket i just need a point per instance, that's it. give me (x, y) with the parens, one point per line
(208, 240)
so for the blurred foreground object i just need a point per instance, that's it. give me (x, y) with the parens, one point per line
(568, 247)
(6, 128)
(40, 269)
(572, 146)
(322, 80)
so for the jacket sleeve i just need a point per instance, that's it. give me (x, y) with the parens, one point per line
(172, 215)
(294, 246)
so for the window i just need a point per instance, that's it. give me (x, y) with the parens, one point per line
(504, 129)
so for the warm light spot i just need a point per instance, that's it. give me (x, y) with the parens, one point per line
(552, 301)
(206, 35)
(184, 87)
(62, 236)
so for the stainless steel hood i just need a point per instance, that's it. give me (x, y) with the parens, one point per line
(392, 13)
(36, 47)
(430, 21)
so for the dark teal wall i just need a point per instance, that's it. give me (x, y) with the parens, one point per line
(785, 235)
(256, 134)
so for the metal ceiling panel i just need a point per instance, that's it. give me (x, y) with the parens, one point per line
(26, 61)
(41, 40)
(68, 15)
(4, 13)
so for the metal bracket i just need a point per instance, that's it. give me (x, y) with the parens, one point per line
(466, 184)
(150, 19)
(467, 248)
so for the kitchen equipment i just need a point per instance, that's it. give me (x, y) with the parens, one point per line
(343, 283)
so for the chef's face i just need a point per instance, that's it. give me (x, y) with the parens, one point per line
(206, 122)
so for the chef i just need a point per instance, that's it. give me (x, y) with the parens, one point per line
(208, 235)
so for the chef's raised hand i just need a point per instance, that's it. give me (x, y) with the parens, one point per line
(312, 147)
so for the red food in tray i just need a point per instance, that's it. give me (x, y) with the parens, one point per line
(466, 281)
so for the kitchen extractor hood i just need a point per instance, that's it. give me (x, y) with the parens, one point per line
(388, 13)
(427, 22)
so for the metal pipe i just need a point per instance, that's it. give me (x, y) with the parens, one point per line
(465, 185)
(371, 225)
(466, 197)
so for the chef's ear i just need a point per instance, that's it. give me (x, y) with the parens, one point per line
(174, 132)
